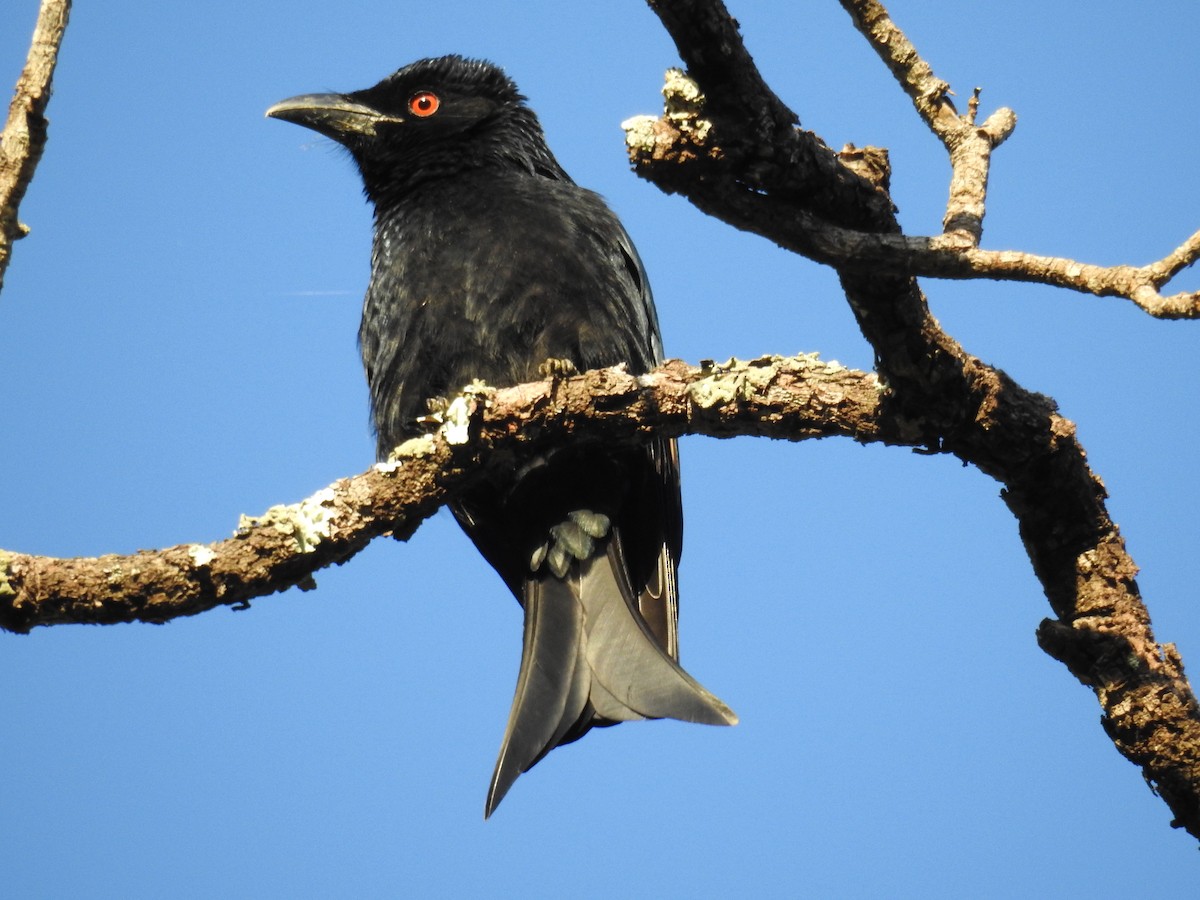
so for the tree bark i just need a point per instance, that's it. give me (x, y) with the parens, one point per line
(735, 150)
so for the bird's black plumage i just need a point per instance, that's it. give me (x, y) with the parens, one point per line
(488, 260)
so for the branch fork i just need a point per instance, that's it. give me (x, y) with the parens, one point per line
(834, 208)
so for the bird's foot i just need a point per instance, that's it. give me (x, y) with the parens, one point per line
(572, 539)
(554, 369)
(435, 412)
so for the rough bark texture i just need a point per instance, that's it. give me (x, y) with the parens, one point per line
(706, 151)
(24, 134)
(743, 161)
(793, 398)
(730, 145)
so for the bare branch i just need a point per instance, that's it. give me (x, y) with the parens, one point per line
(970, 161)
(24, 135)
(944, 257)
(1102, 632)
(929, 94)
(793, 398)
(762, 140)
(735, 149)
(1175, 262)
(670, 151)
(970, 146)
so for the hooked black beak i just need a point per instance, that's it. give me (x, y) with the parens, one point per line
(333, 115)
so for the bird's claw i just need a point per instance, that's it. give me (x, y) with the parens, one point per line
(553, 369)
(435, 412)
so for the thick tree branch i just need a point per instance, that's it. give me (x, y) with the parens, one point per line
(1102, 632)
(24, 134)
(683, 148)
(765, 147)
(793, 398)
(735, 149)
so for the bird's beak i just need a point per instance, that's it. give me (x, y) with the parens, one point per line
(333, 115)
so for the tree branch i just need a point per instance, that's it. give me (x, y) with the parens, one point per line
(970, 146)
(24, 135)
(794, 398)
(765, 147)
(978, 413)
(734, 149)
(672, 150)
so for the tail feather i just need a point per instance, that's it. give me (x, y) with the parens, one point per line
(628, 663)
(552, 688)
(589, 658)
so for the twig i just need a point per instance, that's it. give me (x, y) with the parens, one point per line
(970, 146)
(929, 94)
(24, 135)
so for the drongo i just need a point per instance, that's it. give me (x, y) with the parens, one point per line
(489, 262)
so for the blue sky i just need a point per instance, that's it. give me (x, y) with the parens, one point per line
(179, 348)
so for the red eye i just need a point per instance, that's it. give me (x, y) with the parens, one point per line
(424, 104)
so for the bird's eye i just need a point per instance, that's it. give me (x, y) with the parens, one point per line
(424, 104)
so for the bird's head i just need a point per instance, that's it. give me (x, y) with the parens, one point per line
(431, 118)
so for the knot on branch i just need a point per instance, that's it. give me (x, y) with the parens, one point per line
(871, 163)
(681, 136)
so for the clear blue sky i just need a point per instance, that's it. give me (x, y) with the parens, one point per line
(179, 348)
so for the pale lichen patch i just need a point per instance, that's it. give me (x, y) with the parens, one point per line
(413, 448)
(307, 522)
(456, 420)
(684, 101)
(683, 105)
(640, 134)
(6, 588)
(733, 380)
(201, 554)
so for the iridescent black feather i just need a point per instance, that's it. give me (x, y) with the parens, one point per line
(488, 260)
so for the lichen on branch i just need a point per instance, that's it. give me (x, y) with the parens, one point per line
(790, 398)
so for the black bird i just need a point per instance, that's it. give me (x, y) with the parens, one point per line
(488, 262)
